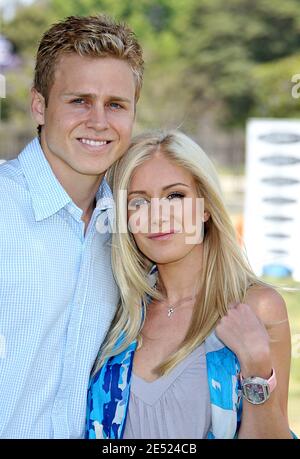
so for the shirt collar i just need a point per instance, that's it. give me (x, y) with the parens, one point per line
(104, 196)
(47, 194)
(105, 209)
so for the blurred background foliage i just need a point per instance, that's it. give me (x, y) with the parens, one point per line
(210, 65)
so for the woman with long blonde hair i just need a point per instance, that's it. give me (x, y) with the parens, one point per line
(199, 347)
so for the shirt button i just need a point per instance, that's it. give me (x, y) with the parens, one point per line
(69, 353)
(59, 404)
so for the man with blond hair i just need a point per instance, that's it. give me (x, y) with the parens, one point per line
(57, 292)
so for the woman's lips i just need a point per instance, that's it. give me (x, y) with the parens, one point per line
(161, 236)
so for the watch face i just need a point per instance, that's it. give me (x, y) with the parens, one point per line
(255, 392)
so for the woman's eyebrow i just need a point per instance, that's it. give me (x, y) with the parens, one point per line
(164, 188)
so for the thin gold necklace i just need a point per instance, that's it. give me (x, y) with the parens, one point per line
(171, 307)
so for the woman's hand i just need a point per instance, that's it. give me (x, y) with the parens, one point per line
(245, 334)
(259, 349)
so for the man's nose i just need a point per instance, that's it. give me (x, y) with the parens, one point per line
(98, 117)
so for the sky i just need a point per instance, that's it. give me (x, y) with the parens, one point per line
(8, 2)
(7, 6)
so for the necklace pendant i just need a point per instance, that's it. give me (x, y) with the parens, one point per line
(170, 311)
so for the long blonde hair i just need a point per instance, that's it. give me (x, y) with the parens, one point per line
(226, 275)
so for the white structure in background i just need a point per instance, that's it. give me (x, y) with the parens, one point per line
(8, 59)
(272, 199)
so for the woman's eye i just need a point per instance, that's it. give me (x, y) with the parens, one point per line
(175, 195)
(136, 203)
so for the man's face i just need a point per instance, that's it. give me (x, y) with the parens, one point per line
(88, 121)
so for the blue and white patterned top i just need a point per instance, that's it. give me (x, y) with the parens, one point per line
(109, 389)
(109, 392)
(57, 299)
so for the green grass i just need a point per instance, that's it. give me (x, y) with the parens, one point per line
(292, 300)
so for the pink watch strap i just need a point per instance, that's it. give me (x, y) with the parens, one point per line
(272, 381)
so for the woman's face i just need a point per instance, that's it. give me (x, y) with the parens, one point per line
(165, 214)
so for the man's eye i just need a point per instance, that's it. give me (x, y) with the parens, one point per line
(78, 101)
(137, 202)
(115, 105)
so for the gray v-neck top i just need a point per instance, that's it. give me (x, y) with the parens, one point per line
(173, 406)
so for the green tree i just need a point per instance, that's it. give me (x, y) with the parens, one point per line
(276, 91)
(232, 39)
(27, 26)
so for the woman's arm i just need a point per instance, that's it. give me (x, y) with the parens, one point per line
(243, 330)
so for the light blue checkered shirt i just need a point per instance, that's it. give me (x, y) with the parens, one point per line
(57, 299)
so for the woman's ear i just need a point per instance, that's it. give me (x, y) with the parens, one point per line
(206, 216)
(38, 107)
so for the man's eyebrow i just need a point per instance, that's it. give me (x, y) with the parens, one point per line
(164, 188)
(78, 94)
(120, 99)
(93, 96)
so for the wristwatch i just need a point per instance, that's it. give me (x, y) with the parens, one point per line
(257, 390)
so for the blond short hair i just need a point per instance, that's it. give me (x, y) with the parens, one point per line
(91, 36)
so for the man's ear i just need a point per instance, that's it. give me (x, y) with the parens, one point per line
(38, 107)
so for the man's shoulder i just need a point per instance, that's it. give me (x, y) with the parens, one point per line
(13, 167)
(10, 172)
(13, 184)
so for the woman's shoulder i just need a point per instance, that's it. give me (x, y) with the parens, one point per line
(267, 303)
